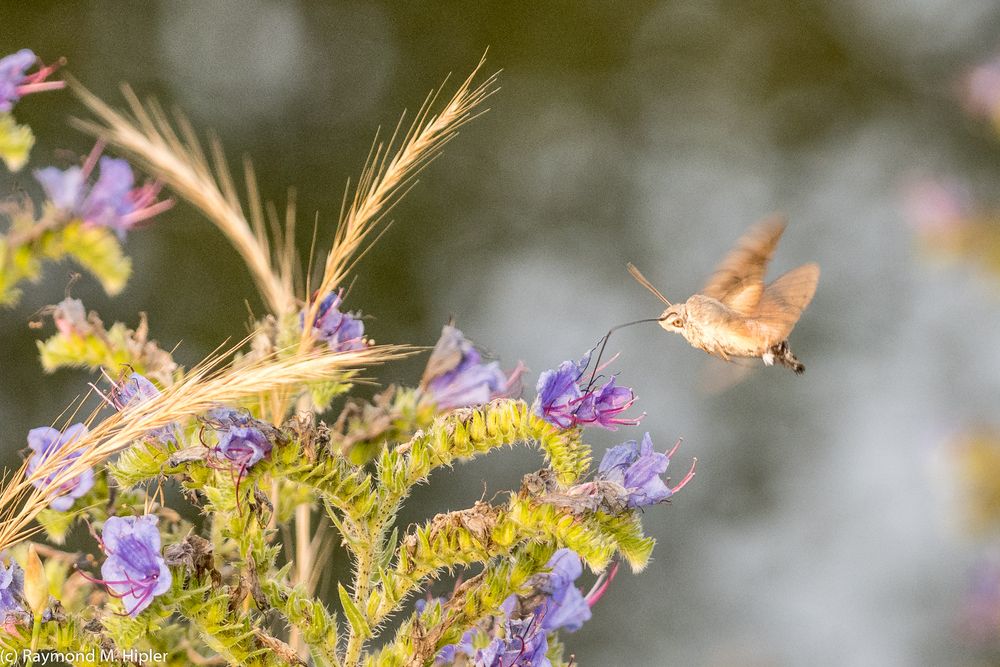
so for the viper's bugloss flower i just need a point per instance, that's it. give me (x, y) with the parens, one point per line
(242, 440)
(12, 611)
(563, 402)
(46, 442)
(15, 82)
(112, 200)
(136, 389)
(340, 331)
(456, 376)
(636, 467)
(565, 606)
(524, 645)
(134, 570)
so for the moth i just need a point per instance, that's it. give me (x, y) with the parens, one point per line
(736, 314)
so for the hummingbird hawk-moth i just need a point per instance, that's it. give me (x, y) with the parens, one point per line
(736, 314)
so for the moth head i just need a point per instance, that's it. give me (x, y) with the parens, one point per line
(674, 318)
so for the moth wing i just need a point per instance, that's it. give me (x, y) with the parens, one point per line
(786, 298)
(738, 281)
(446, 355)
(718, 376)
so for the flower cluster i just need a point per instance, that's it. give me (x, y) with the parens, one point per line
(134, 570)
(522, 634)
(564, 402)
(15, 82)
(341, 331)
(46, 442)
(457, 377)
(112, 200)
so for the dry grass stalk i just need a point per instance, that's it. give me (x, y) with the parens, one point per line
(207, 386)
(389, 173)
(149, 138)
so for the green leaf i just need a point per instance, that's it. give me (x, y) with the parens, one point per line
(98, 250)
(15, 142)
(56, 524)
(353, 613)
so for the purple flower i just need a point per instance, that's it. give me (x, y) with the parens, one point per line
(564, 403)
(456, 376)
(636, 467)
(12, 609)
(15, 82)
(111, 201)
(108, 202)
(64, 188)
(564, 605)
(46, 442)
(13, 72)
(342, 332)
(242, 440)
(134, 570)
(136, 389)
(524, 645)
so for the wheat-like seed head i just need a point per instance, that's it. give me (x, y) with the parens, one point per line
(388, 175)
(208, 385)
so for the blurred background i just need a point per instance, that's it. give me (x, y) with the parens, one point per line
(832, 518)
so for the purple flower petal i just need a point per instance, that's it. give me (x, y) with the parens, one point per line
(45, 442)
(564, 403)
(134, 569)
(242, 440)
(13, 71)
(136, 389)
(64, 188)
(456, 376)
(12, 610)
(342, 332)
(637, 468)
(111, 201)
(108, 202)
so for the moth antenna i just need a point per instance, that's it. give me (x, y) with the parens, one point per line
(641, 279)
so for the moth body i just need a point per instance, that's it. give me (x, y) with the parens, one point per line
(736, 314)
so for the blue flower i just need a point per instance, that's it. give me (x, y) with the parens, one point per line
(134, 570)
(13, 72)
(111, 201)
(636, 467)
(136, 389)
(564, 403)
(12, 609)
(342, 332)
(64, 188)
(456, 376)
(564, 605)
(108, 203)
(15, 82)
(524, 645)
(45, 442)
(242, 440)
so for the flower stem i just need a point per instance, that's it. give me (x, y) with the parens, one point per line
(36, 631)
